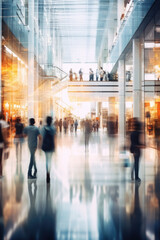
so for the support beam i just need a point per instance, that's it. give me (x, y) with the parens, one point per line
(120, 11)
(137, 85)
(122, 118)
(31, 59)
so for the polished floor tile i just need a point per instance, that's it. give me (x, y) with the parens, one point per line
(90, 195)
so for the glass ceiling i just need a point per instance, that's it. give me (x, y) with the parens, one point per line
(79, 25)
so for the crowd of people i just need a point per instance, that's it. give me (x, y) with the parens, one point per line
(44, 137)
(99, 75)
(66, 124)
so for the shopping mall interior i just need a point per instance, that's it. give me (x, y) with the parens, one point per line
(94, 67)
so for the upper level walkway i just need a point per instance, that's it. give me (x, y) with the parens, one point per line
(89, 90)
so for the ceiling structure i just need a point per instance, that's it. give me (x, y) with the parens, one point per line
(81, 26)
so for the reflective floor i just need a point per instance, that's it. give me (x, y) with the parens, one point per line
(90, 195)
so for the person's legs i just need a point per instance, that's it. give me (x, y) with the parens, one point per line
(46, 154)
(136, 163)
(132, 166)
(20, 152)
(48, 165)
(32, 162)
(49, 160)
(17, 150)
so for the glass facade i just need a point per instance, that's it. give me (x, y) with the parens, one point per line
(94, 64)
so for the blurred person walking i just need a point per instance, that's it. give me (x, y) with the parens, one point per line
(19, 138)
(48, 144)
(71, 75)
(157, 133)
(91, 75)
(80, 75)
(71, 125)
(111, 129)
(97, 124)
(65, 125)
(60, 125)
(76, 125)
(135, 148)
(33, 134)
(56, 123)
(97, 74)
(3, 141)
(88, 130)
(101, 73)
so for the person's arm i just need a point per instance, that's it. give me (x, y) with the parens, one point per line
(40, 140)
(40, 137)
(55, 142)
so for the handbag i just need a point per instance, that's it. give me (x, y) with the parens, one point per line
(126, 162)
(125, 158)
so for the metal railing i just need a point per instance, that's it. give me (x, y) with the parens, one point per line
(50, 71)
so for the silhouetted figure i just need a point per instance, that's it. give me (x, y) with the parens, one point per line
(19, 138)
(135, 147)
(101, 73)
(48, 145)
(97, 125)
(111, 129)
(97, 74)
(65, 125)
(80, 75)
(91, 75)
(3, 141)
(76, 125)
(56, 123)
(60, 125)
(71, 126)
(33, 133)
(71, 75)
(157, 133)
(88, 130)
(94, 126)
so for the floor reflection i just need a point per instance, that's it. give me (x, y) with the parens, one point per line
(86, 198)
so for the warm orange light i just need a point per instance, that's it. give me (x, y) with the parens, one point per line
(152, 103)
(7, 105)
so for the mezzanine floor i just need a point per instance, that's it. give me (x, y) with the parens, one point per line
(87, 197)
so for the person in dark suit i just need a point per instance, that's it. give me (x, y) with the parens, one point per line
(136, 146)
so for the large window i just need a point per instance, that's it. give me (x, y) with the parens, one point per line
(152, 49)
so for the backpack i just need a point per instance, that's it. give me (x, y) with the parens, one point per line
(1, 135)
(48, 141)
